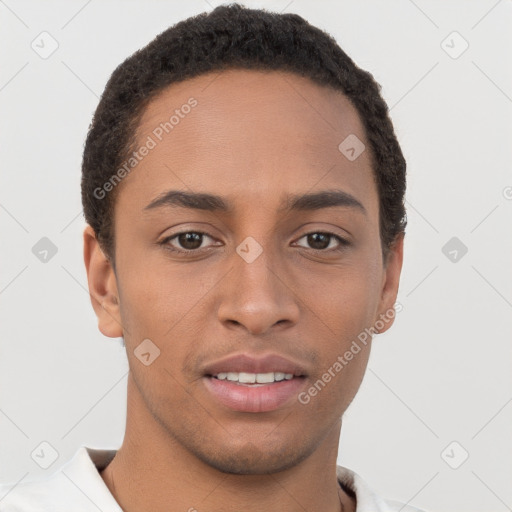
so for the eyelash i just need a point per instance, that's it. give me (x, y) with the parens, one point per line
(343, 243)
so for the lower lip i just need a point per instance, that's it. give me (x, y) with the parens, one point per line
(254, 398)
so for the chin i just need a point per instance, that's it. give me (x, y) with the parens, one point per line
(251, 460)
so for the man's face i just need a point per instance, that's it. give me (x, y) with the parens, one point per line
(256, 140)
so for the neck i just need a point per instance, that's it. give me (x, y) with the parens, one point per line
(152, 471)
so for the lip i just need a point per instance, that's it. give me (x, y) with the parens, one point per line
(254, 364)
(251, 397)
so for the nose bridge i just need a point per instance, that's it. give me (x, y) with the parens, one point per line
(255, 266)
(256, 296)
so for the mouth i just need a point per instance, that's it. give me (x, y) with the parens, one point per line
(245, 383)
(254, 396)
(253, 379)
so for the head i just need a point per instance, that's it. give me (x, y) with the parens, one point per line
(254, 118)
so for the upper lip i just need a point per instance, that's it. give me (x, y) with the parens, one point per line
(255, 364)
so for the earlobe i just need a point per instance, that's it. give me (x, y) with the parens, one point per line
(102, 286)
(390, 284)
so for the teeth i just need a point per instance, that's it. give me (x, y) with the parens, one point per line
(263, 378)
(252, 378)
(247, 378)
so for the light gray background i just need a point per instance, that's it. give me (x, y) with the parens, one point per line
(441, 374)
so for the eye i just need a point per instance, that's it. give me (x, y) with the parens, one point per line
(320, 241)
(189, 241)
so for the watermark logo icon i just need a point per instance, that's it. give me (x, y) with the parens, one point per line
(454, 249)
(44, 250)
(352, 147)
(44, 45)
(454, 45)
(146, 352)
(249, 249)
(455, 455)
(44, 455)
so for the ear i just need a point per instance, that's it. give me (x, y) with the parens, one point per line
(102, 286)
(390, 284)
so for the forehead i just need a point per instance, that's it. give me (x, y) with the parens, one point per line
(252, 132)
(256, 100)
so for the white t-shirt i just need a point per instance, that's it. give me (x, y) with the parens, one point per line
(78, 487)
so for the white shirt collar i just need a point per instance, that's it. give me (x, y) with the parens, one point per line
(78, 486)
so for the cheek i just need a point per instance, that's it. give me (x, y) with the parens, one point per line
(345, 301)
(345, 307)
(149, 307)
(157, 309)
(334, 389)
(156, 295)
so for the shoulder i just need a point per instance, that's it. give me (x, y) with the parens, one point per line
(76, 487)
(52, 493)
(366, 498)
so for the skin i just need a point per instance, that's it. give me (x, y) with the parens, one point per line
(253, 138)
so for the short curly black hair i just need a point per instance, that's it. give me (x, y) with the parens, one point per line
(233, 36)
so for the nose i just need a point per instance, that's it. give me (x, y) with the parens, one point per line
(258, 296)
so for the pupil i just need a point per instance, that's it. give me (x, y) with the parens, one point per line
(313, 240)
(194, 238)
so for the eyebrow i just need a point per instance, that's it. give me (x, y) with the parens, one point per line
(212, 203)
